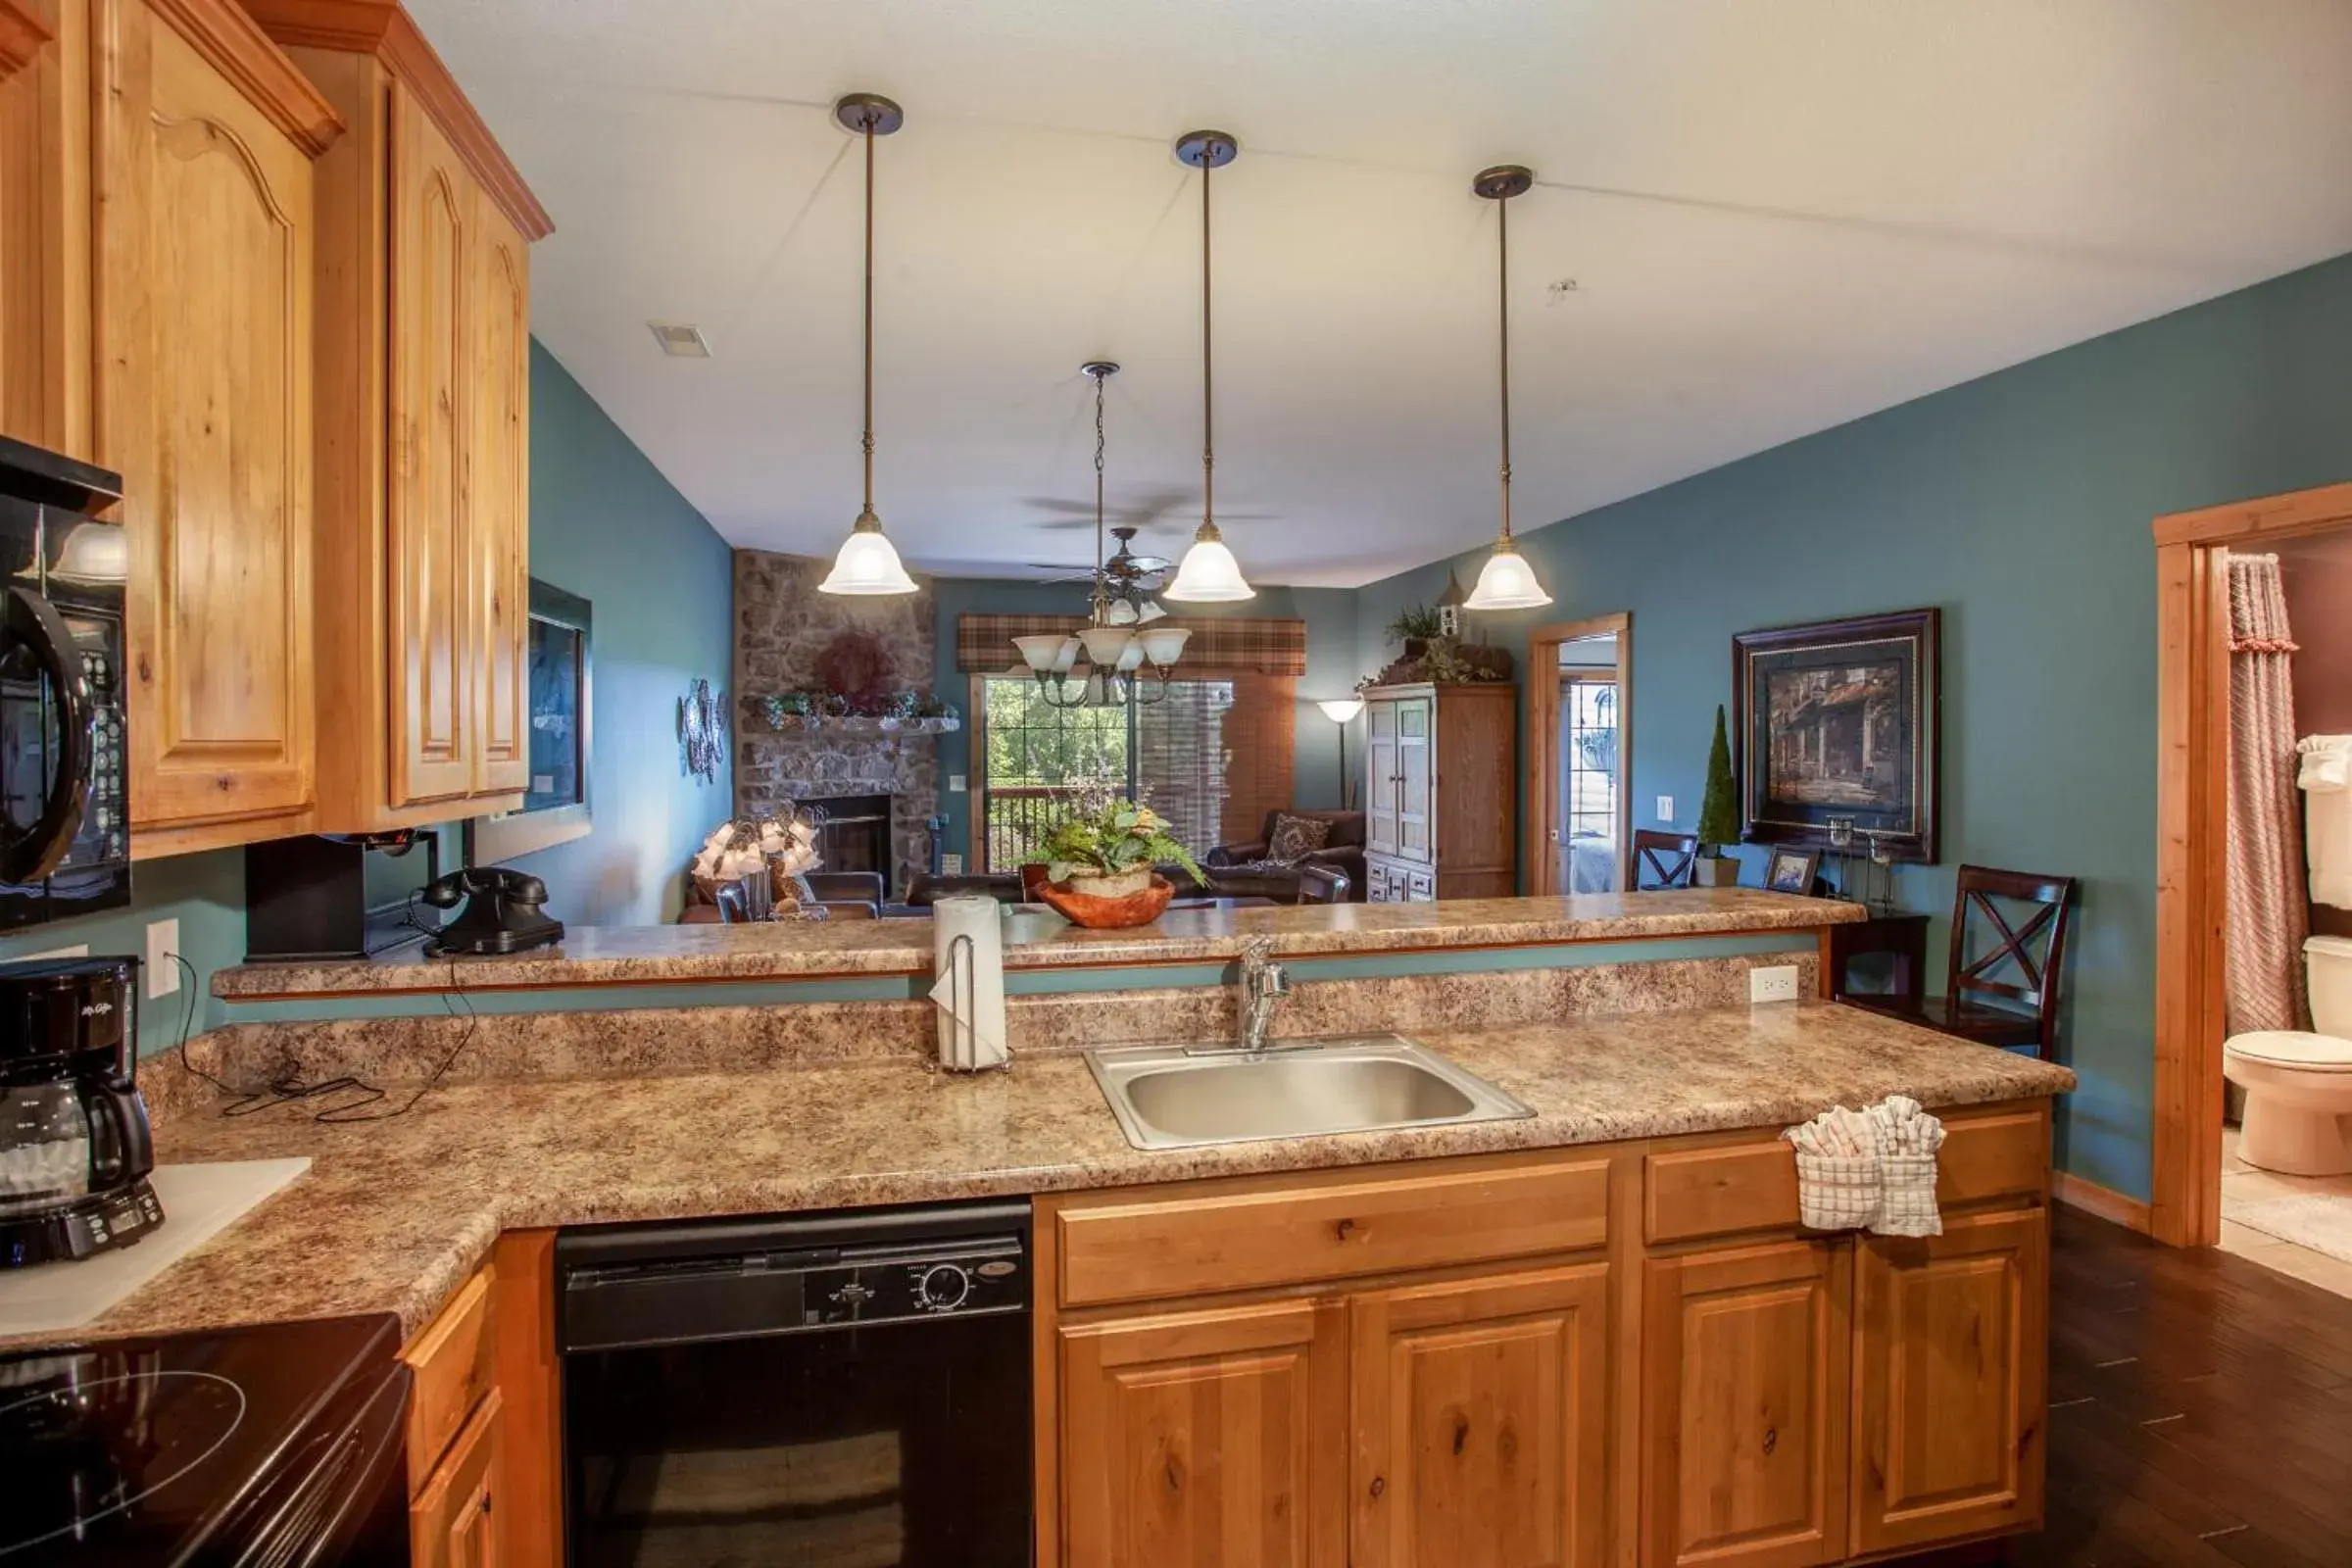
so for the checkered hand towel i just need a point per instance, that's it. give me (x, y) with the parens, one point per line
(1908, 1139)
(1838, 1186)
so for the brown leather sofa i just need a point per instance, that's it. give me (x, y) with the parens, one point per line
(1342, 853)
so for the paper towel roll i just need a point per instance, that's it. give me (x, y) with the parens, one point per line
(970, 988)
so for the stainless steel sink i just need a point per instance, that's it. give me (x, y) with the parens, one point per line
(1179, 1096)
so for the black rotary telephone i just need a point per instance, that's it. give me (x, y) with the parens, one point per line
(500, 915)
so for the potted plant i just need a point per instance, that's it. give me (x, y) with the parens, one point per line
(1718, 815)
(1108, 851)
(1417, 626)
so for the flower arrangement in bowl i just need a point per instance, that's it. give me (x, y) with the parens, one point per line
(1100, 864)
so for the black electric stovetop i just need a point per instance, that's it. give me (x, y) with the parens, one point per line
(279, 1444)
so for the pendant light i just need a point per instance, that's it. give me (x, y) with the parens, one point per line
(1507, 581)
(868, 564)
(1209, 573)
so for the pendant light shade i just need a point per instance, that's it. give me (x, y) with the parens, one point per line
(869, 564)
(1507, 581)
(1208, 573)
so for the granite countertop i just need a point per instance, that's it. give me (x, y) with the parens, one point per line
(591, 955)
(394, 1215)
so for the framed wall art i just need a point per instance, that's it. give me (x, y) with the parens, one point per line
(1840, 720)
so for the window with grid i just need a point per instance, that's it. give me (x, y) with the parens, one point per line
(1213, 759)
(1589, 715)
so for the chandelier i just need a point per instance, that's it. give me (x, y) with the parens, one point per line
(868, 563)
(1507, 581)
(1119, 637)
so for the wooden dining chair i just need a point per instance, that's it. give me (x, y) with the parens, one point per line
(2006, 977)
(1663, 859)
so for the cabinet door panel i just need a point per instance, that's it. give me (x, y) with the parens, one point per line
(1213, 1436)
(1481, 1415)
(206, 306)
(1416, 782)
(429, 554)
(452, 1520)
(1951, 1350)
(499, 500)
(1745, 1361)
(1380, 780)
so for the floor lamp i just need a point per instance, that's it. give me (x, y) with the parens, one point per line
(1342, 710)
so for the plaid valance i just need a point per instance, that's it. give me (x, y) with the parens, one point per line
(1220, 644)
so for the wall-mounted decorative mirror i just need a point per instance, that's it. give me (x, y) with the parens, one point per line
(556, 802)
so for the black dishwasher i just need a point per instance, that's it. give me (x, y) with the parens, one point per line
(842, 1390)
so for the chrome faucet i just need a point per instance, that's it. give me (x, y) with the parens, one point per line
(1264, 983)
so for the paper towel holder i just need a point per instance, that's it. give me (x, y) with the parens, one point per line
(961, 954)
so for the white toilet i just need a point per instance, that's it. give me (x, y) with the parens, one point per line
(2299, 1086)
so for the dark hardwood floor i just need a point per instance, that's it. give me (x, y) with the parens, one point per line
(2200, 1412)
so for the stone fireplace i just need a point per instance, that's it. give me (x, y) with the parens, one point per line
(783, 627)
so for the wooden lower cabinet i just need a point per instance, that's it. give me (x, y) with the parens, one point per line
(1951, 1363)
(454, 1521)
(1744, 1378)
(1480, 1422)
(1657, 1367)
(1207, 1436)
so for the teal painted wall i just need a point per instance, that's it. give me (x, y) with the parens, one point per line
(2021, 505)
(606, 525)
(1331, 672)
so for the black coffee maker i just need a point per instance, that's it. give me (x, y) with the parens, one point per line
(74, 1150)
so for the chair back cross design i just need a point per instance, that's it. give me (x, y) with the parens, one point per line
(2032, 950)
(1663, 859)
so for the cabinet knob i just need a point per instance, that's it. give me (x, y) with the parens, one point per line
(1380, 1483)
(1344, 1228)
(1771, 1440)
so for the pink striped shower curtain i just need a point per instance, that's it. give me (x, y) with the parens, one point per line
(2268, 910)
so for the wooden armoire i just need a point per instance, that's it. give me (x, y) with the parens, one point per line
(1440, 792)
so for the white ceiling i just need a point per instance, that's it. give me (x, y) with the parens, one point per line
(1779, 214)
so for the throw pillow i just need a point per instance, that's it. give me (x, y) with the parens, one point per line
(1296, 838)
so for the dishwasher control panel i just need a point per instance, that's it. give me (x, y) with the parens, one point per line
(931, 1284)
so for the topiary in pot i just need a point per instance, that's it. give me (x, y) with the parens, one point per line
(1718, 815)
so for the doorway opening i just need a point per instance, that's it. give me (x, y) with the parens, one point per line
(1579, 756)
(2199, 696)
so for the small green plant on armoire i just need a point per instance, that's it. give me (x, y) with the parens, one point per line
(1718, 814)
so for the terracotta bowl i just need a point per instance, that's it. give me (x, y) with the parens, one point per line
(1109, 914)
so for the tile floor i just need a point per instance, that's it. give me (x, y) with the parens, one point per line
(2241, 1180)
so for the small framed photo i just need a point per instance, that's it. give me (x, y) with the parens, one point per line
(1792, 870)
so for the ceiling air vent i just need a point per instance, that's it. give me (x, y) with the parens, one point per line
(680, 341)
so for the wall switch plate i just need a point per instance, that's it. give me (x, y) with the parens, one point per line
(951, 865)
(162, 942)
(954, 783)
(1774, 983)
(1665, 808)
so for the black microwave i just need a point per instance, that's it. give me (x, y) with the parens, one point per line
(65, 767)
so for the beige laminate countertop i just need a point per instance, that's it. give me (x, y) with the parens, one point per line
(394, 1215)
(594, 955)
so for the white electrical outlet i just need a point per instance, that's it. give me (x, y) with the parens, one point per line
(1665, 808)
(1775, 983)
(950, 866)
(954, 783)
(163, 944)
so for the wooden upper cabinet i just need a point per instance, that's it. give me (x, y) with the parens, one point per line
(44, 208)
(1481, 1420)
(424, 399)
(1745, 1375)
(430, 550)
(1952, 1352)
(203, 328)
(1211, 1436)
(500, 502)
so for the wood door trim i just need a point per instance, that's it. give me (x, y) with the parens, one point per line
(2192, 732)
(1540, 758)
(235, 44)
(384, 30)
(20, 39)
